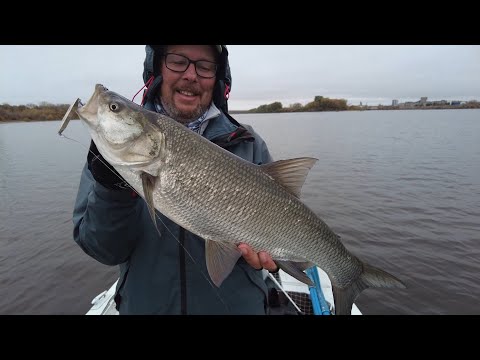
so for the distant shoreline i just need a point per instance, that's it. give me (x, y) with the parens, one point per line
(48, 112)
(385, 108)
(235, 112)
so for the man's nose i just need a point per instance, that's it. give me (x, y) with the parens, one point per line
(191, 72)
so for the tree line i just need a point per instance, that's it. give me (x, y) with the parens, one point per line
(319, 103)
(32, 112)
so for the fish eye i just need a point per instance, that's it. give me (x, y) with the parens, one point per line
(114, 106)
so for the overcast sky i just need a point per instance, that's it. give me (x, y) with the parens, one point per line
(261, 74)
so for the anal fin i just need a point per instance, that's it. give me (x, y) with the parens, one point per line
(221, 258)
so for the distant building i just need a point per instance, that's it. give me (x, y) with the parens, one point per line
(425, 104)
(439, 103)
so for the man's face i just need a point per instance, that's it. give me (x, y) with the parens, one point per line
(186, 95)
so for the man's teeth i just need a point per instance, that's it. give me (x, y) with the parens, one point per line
(188, 93)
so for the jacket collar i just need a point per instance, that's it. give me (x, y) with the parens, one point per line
(218, 124)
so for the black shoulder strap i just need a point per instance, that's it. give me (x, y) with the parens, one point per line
(239, 135)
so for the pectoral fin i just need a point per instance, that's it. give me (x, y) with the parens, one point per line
(296, 269)
(148, 183)
(221, 258)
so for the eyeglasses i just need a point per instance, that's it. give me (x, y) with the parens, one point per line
(180, 63)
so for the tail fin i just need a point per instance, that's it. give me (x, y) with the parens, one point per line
(371, 277)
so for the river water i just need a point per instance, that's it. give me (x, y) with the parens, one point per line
(401, 188)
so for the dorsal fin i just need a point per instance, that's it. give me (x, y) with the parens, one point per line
(290, 173)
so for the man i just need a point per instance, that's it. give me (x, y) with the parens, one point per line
(162, 269)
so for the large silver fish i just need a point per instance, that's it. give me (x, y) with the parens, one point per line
(223, 198)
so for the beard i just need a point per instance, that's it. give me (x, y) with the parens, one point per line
(183, 117)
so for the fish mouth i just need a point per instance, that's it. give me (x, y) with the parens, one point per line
(88, 112)
(93, 101)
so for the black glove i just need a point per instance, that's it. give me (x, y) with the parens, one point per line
(103, 172)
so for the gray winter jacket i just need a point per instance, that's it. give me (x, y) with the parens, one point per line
(157, 275)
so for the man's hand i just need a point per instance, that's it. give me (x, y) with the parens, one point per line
(257, 260)
(103, 172)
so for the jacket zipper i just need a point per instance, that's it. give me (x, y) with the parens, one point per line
(183, 273)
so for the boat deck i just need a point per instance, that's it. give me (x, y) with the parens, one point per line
(104, 304)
